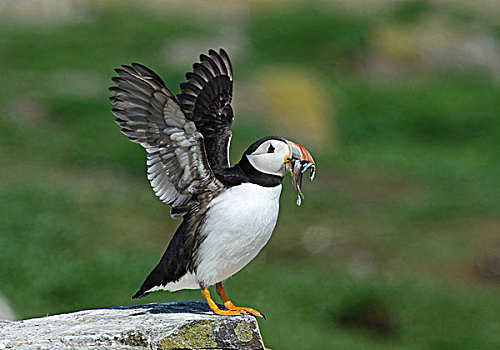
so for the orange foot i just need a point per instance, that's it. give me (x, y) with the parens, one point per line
(230, 306)
(231, 309)
(247, 310)
(215, 309)
(229, 312)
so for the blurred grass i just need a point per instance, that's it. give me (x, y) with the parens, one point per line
(383, 252)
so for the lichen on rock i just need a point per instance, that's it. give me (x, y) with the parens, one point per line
(243, 332)
(191, 336)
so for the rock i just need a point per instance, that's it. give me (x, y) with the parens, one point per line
(187, 325)
(6, 312)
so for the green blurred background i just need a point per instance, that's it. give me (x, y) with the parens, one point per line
(397, 244)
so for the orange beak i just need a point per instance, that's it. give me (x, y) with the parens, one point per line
(297, 152)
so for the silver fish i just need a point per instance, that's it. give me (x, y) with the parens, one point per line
(297, 169)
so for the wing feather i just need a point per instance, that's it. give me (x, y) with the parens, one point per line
(205, 99)
(149, 114)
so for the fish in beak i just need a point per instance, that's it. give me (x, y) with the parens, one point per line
(297, 162)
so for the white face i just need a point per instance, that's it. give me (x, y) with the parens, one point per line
(269, 157)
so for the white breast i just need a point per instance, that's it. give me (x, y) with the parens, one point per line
(238, 225)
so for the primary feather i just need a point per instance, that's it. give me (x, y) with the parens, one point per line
(205, 99)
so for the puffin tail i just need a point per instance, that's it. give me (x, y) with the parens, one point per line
(155, 279)
(143, 291)
(140, 293)
(173, 265)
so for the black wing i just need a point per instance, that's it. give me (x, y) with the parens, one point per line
(150, 115)
(206, 100)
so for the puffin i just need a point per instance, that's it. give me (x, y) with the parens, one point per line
(228, 212)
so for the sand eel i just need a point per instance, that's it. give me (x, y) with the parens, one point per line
(228, 212)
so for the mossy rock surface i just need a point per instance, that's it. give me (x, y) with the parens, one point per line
(188, 325)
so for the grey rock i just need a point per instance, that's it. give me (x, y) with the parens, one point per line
(6, 312)
(189, 325)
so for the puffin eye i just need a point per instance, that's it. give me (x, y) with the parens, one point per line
(270, 149)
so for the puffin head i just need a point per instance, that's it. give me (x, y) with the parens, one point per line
(275, 155)
(267, 161)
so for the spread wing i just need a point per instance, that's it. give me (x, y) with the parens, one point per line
(206, 100)
(149, 114)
